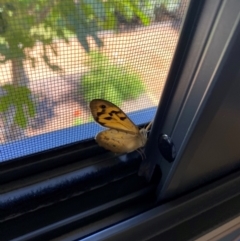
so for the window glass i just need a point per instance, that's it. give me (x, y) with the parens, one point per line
(56, 56)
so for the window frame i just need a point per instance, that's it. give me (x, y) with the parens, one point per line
(204, 74)
(184, 218)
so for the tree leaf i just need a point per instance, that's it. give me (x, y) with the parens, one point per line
(4, 103)
(19, 117)
(20, 98)
(97, 7)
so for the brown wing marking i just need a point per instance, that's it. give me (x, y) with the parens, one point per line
(109, 115)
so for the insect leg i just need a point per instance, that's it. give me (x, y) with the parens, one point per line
(141, 152)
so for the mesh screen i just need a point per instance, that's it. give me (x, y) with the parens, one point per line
(56, 56)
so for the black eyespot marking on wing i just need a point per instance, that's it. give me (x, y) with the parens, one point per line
(103, 107)
(123, 118)
(115, 112)
(108, 118)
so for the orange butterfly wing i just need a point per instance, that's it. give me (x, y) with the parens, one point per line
(109, 115)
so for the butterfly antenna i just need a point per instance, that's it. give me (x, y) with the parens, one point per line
(149, 126)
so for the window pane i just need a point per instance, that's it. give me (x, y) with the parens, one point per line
(58, 56)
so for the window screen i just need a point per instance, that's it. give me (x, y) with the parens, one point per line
(56, 56)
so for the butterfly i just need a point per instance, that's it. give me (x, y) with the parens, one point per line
(123, 136)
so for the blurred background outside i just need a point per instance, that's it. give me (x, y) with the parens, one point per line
(58, 55)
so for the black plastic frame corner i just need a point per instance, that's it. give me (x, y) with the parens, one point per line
(185, 218)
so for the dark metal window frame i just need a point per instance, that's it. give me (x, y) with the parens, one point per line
(211, 81)
(185, 218)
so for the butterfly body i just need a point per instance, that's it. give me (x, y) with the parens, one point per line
(123, 136)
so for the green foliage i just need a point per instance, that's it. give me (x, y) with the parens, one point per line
(19, 97)
(169, 5)
(109, 81)
(24, 22)
(79, 121)
(87, 17)
(148, 7)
